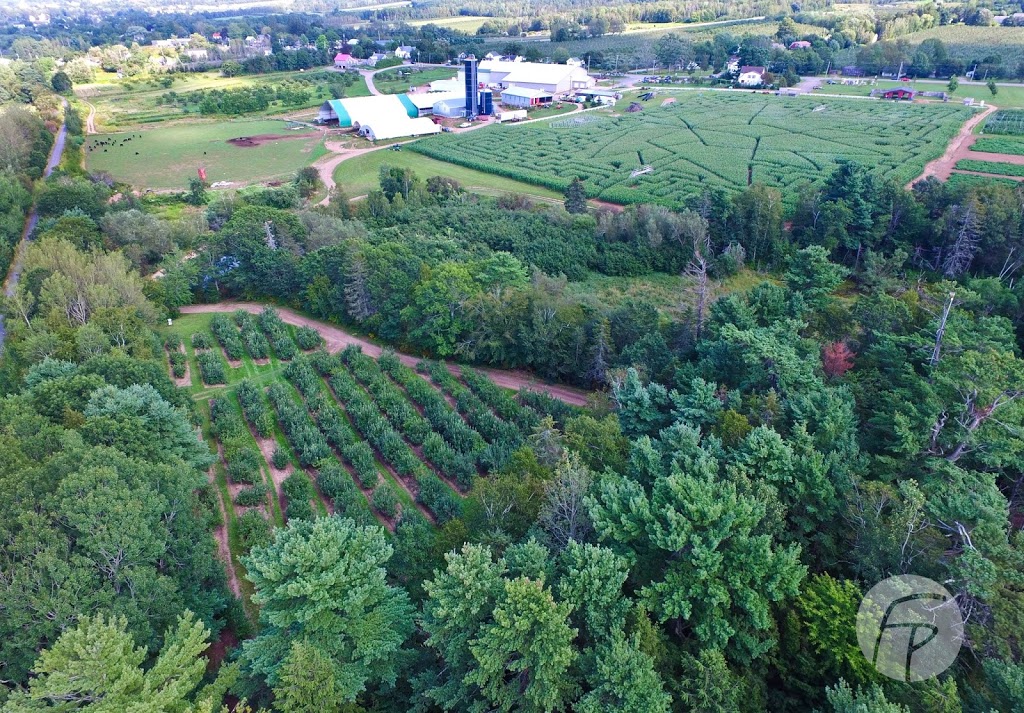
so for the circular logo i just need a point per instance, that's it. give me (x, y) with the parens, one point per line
(910, 628)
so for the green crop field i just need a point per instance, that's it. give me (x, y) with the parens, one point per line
(976, 43)
(303, 432)
(168, 156)
(1005, 121)
(463, 23)
(993, 167)
(708, 138)
(398, 80)
(999, 144)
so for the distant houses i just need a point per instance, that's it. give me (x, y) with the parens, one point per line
(343, 60)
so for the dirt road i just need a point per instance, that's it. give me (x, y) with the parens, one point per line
(337, 339)
(90, 120)
(942, 167)
(325, 165)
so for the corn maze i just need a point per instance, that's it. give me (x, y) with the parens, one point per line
(711, 139)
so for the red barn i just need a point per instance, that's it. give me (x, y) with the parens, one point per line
(898, 94)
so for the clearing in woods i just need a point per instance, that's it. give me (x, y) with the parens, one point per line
(237, 151)
(708, 139)
(307, 420)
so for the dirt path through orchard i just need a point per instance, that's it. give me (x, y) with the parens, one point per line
(959, 147)
(337, 339)
(220, 533)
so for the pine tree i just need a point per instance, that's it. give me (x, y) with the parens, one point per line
(576, 197)
(357, 290)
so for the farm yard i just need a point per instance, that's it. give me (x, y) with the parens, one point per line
(709, 139)
(300, 432)
(237, 151)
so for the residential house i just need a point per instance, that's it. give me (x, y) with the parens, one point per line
(344, 61)
(800, 45)
(751, 76)
(376, 57)
(405, 52)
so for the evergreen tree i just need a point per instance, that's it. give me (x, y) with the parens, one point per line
(324, 582)
(576, 197)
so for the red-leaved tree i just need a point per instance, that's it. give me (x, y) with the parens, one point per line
(836, 359)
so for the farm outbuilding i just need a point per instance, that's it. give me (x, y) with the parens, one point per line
(898, 94)
(360, 110)
(450, 108)
(386, 128)
(344, 61)
(525, 97)
(425, 101)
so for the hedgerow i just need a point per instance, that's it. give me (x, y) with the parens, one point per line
(250, 396)
(298, 491)
(300, 430)
(211, 367)
(227, 336)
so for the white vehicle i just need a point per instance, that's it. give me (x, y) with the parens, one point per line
(517, 115)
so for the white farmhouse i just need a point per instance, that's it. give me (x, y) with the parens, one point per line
(751, 76)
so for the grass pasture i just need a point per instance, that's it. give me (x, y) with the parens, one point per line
(463, 23)
(359, 176)
(166, 157)
(708, 138)
(399, 80)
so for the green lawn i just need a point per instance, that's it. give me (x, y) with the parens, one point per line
(166, 157)
(399, 80)
(358, 176)
(463, 23)
(665, 292)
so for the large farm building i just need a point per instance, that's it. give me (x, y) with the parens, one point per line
(522, 85)
(379, 117)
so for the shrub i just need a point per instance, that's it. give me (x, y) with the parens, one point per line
(212, 368)
(385, 500)
(172, 343)
(200, 341)
(298, 491)
(279, 459)
(249, 497)
(308, 338)
(228, 337)
(253, 530)
(438, 498)
(250, 396)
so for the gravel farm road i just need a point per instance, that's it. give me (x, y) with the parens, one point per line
(337, 339)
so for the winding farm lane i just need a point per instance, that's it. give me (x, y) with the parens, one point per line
(337, 339)
(942, 167)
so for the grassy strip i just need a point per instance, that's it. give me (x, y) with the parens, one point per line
(999, 144)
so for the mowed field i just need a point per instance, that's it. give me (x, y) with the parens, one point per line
(708, 139)
(360, 175)
(167, 157)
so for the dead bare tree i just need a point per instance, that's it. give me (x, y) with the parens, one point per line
(941, 331)
(963, 223)
(564, 515)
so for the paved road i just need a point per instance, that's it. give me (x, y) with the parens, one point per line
(14, 275)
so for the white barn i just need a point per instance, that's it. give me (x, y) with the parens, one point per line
(556, 79)
(393, 127)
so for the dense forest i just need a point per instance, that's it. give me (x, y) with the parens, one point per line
(788, 400)
(699, 538)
